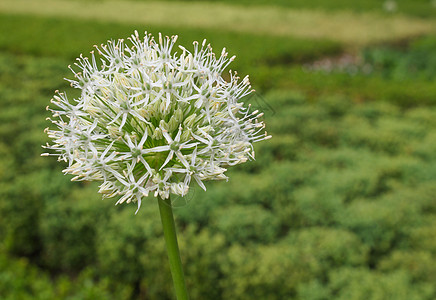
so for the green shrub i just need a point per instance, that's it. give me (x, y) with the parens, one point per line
(332, 248)
(7, 168)
(360, 284)
(276, 272)
(266, 272)
(316, 207)
(203, 255)
(376, 224)
(20, 280)
(199, 204)
(245, 224)
(424, 237)
(372, 137)
(22, 206)
(282, 148)
(130, 249)
(69, 229)
(418, 264)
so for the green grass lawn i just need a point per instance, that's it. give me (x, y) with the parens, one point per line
(419, 8)
(339, 204)
(347, 27)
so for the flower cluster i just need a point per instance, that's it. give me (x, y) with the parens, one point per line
(151, 121)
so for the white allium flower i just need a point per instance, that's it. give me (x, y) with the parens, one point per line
(150, 121)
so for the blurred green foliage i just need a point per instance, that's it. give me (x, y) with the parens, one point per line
(21, 280)
(419, 8)
(47, 36)
(339, 204)
(276, 61)
(417, 61)
(407, 92)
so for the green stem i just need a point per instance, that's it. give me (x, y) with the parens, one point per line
(169, 229)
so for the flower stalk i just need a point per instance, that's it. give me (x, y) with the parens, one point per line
(169, 229)
(150, 121)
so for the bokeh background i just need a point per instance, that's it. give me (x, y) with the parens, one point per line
(339, 204)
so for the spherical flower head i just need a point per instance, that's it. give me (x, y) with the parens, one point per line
(151, 121)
